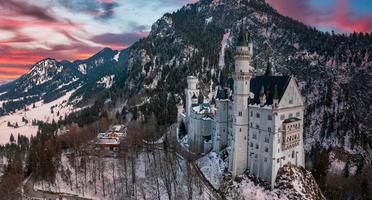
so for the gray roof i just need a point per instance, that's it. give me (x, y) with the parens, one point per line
(244, 37)
(270, 84)
(274, 86)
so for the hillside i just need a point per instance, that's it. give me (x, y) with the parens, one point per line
(331, 69)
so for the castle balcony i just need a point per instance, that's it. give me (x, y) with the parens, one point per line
(291, 133)
(242, 76)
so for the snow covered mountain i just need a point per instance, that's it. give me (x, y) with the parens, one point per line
(49, 80)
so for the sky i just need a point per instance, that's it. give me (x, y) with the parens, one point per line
(31, 30)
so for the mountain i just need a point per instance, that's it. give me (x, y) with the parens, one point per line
(332, 69)
(333, 72)
(49, 80)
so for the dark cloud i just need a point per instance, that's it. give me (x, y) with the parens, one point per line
(24, 8)
(124, 39)
(100, 9)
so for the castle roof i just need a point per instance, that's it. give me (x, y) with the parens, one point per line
(221, 94)
(273, 86)
(244, 37)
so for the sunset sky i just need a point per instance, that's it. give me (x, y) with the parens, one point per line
(31, 30)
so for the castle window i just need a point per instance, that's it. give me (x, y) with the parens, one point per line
(281, 117)
(245, 137)
(278, 140)
(290, 115)
(269, 117)
(291, 101)
(297, 114)
(254, 136)
(251, 144)
(223, 130)
(240, 113)
(277, 160)
(258, 115)
(251, 113)
(255, 156)
(266, 149)
(267, 140)
(251, 125)
(240, 130)
(257, 146)
(269, 129)
(257, 126)
(265, 159)
(293, 154)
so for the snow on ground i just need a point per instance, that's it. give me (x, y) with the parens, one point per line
(209, 20)
(83, 68)
(109, 175)
(221, 62)
(107, 81)
(248, 190)
(212, 166)
(40, 112)
(116, 57)
(337, 166)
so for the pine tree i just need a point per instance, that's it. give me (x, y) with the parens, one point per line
(365, 190)
(321, 166)
(11, 139)
(346, 169)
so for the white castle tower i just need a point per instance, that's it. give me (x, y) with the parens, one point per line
(242, 76)
(190, 92)
(222, 103)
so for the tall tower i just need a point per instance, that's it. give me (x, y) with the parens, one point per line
(242, 76)
(220, 135)
(191, 91)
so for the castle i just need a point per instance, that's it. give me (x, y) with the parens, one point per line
(259, 118)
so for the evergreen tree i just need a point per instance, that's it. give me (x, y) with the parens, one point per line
(365, 191)
(346, 169)
(321, 166)
(11, 139)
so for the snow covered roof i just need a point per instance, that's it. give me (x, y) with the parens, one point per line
(201, 109)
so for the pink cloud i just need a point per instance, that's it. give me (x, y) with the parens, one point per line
(339, 17)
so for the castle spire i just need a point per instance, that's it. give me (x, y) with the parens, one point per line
(262, 96)
(269, 71)
(244, 37)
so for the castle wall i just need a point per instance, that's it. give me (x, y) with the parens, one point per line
(261, 132)
(200, 127)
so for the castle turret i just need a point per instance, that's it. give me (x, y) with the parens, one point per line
(191, 91)
(179, 111)
(194, 101)
(276, 97)
(221, 134)
(262, 96)
(242, 76)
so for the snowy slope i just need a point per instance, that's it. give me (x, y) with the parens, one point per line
(42, 112)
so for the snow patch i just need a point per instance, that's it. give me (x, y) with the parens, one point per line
(107, 81)
(116, 57)
(41, 112)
